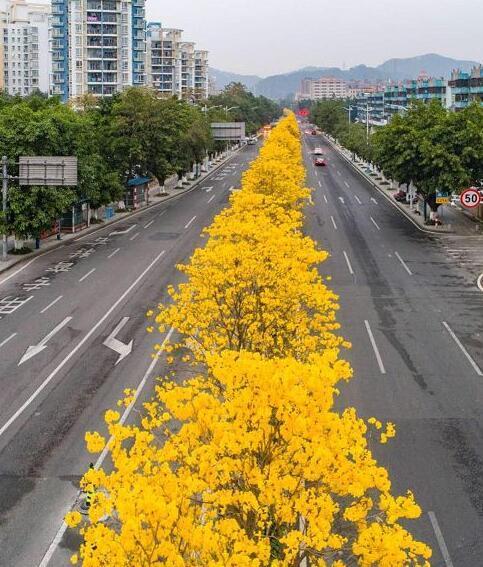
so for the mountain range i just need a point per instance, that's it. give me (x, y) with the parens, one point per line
(286, 84)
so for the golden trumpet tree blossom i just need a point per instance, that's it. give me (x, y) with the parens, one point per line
(248, 463)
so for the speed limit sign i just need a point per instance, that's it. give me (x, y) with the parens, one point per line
(470, 198)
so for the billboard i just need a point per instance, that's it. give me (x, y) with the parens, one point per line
(228, 131)
(48, 170)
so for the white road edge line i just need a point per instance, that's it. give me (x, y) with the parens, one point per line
(149, 224)
(333, 222)
(357, 199)
(190, 222)
(375, 224)
(211, 198)
(8, 339)
(51, 304)
(349, 265)
(463, 349)
(63, 528)
(79, 345)
(134, 236)
(398, 256)
(374, 347)
(114, 253)
(87, 275)
(439, 536)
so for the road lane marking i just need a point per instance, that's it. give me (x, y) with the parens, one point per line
(403, 263)
(79, 345)
(374, 347)
(87, 275)
(341, 199)
(8, 339)
(349, 265)
(338, 172)
(45, 309)
(98, 464)
(375, 224)
(112, 342)
(211, 198)
(33, 350)
(190, 222)
(149, 224)
(374, 200)
(320, 183)
(231, 188)
(28, 264)
(208, 189)
(347, 185)
(357, 199)
(118, 232)
(476, 368)
(114, 253)
(325, 199)
(439, 536)
(162, 213)
(134, 236)
(333, 222)
(480, 282)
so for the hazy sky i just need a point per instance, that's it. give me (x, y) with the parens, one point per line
(272, 36)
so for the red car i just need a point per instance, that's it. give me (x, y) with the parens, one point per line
(319, 161)
(314, 132)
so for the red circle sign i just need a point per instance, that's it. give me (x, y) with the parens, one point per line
(470, 198)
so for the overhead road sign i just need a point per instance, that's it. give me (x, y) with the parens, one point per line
(228, 131)
(48, 170)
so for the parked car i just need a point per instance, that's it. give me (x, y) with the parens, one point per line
(400, 195)
(314, 132)
(319, 162)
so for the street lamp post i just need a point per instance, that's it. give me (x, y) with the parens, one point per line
(4, 206)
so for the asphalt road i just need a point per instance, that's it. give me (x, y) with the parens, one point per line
(412, 309)
(66, 305)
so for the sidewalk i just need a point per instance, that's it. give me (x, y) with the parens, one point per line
(51, 243)
(455, 221)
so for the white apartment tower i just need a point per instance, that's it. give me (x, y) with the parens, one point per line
(25, 63)
(174, 66)
(98, 46)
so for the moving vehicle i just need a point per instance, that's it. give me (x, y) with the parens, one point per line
(319, 161)
(318, 152)
(252, 140)
(314, 132)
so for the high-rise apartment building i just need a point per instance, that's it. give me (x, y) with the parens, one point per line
(323, 88)
(24, 39)
(98, 47)
(173, 66)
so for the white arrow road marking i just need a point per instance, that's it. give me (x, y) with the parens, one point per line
(36, 349)
(231, 188)
(480, 282)
(123, 231)
(116, 345)
(373, 200)
(78, 346)
(207, 189)
(341, 199)
(357, 199)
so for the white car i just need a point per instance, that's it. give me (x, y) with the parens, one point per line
(318, 152)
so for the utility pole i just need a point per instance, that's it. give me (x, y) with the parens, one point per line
(4, 205)
(367, 124)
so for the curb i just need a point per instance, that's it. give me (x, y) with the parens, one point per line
(387, 197)
(95, 228)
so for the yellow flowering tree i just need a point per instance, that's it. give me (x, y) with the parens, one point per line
(248, 463)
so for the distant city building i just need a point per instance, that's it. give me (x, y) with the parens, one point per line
(98, 47)
(174, 66)
(465, 88)
(24, 47)
(323, 88)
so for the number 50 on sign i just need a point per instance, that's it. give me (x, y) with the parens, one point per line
(470, 198)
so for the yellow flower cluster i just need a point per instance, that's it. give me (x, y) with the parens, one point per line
(248, 463)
